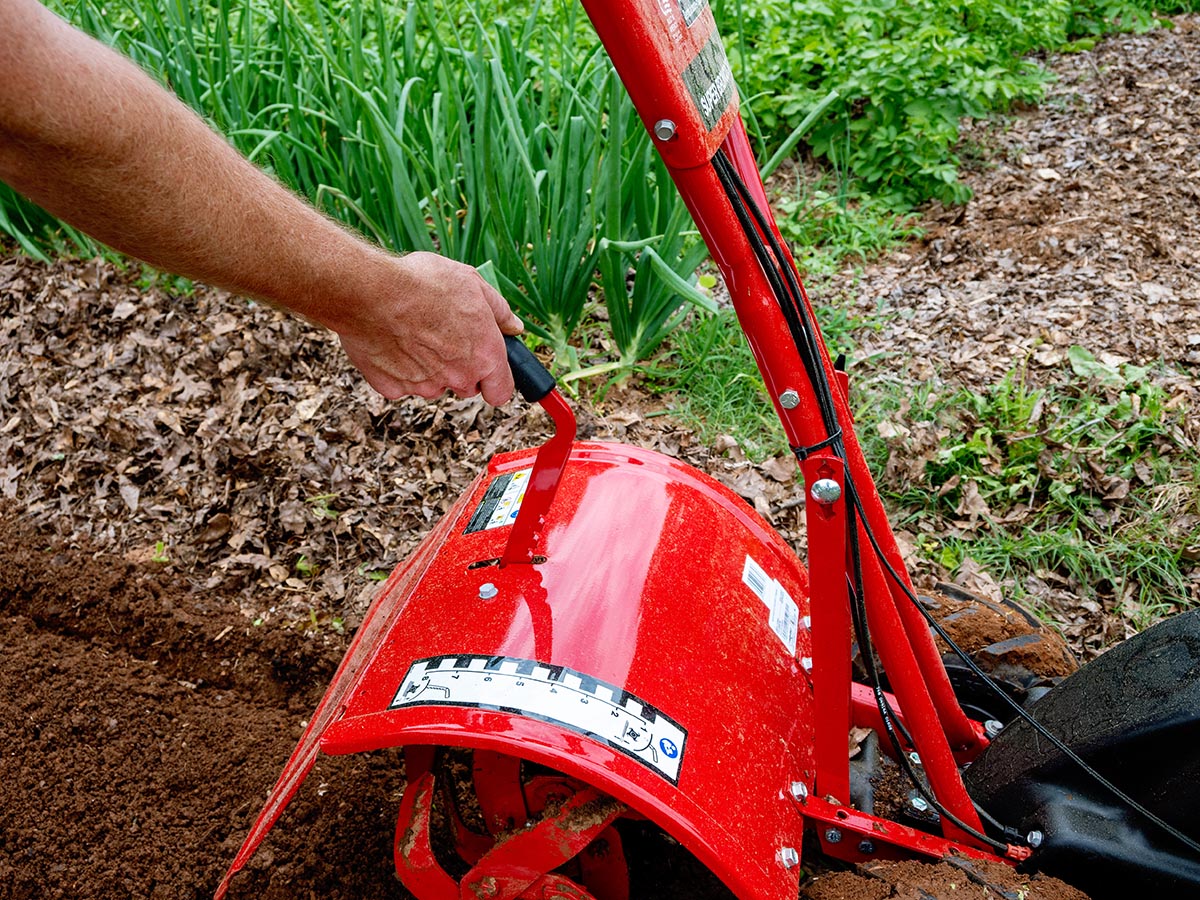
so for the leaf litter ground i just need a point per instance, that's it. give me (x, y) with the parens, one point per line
(199, 495)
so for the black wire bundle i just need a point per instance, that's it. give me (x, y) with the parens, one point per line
(785, 285)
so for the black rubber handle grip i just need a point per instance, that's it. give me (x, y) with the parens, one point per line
(531, 377)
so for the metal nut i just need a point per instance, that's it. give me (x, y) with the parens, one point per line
(488, 591)
(914, 758)
(806, 663)
(833, 835)
(1034, 839)
(789, 399)
(799, 790)
(993, 727)
(789, 857)
(826, 491)
(919, 804)
(664, 129)
(866, 846)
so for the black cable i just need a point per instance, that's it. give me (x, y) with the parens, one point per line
(1023, 713)
(804, 337)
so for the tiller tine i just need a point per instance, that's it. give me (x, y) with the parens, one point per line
(572, 828)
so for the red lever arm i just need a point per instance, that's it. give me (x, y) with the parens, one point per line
(537, 385)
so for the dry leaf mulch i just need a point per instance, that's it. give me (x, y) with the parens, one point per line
(234, 443)
(1083, 231)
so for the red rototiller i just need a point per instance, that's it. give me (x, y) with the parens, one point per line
(599, 648)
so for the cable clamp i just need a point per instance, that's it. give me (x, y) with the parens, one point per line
(803, 453)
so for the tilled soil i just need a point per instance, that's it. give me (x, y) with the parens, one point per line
(143, 723)
(200, 492)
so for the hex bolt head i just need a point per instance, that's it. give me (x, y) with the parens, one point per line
(833, 835)
(789, 857)
(664, 129)
(789, 399)
(806, 663)
(993, 727)
(826, 491)
(914, 758)
(866, 846)
(1035, 838)
(919, 804)
(799, 790)
(488, 591)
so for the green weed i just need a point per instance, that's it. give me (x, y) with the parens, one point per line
(1091, 481)
(716, 387)
(904, 73)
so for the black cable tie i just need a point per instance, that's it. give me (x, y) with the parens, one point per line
(803, 453)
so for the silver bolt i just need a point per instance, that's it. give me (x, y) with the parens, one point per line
(664, 129)
(914, 758)
(799, 790)
(487, 591)
(1034, 839)
(919, 804)
(789, 857)
(806, 663)
(806, 621)
(993, 727)
(833, 835)
(826, 491)
(789, 399)
(866, 846)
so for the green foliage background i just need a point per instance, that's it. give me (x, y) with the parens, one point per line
(906, 72)
(498, 134)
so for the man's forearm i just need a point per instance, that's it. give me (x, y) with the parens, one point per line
(126, 162)
(91, 138)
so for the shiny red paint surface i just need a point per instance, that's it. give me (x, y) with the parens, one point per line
(653, 40)
(642, 588)
(885, 839)
(644, 40)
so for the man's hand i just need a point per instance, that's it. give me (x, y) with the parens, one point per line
(91, 138)
(434, 329)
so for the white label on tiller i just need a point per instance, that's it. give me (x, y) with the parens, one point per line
(784, 614)
(555, 694)
(501, 502)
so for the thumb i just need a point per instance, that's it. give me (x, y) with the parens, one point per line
(509, 322)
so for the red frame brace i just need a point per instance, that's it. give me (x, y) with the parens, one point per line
(652, 53)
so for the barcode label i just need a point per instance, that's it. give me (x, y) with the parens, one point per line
(756, 579)
(782, 611)
(785, 616)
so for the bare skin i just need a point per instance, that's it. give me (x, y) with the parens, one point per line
(92, 139)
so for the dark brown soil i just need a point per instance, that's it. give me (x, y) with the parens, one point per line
(951, 880)
(144, 722)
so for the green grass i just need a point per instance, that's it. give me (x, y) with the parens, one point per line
(716, 389)
(709, 372)
(1089, 483)
(826, 221)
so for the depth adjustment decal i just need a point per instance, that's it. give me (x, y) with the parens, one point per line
(555, 694)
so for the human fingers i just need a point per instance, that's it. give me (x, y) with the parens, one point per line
(509, 322)
(497, 386)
